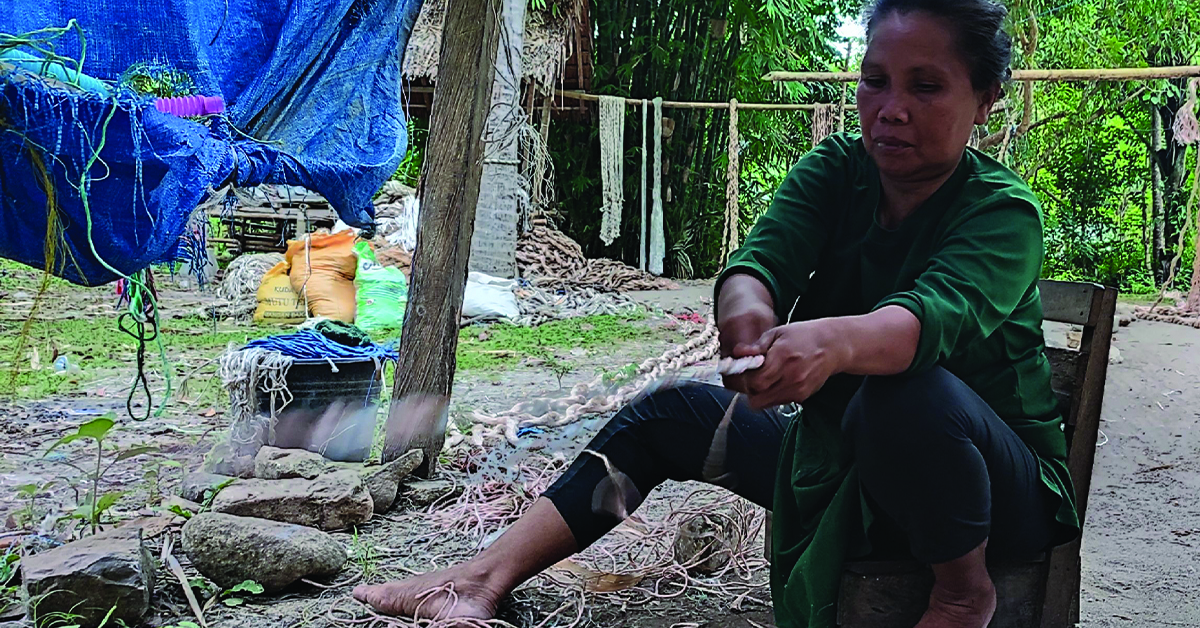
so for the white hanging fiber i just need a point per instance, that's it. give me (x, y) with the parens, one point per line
(1187, 129)
(658, 240)
(612, 165)
(246, 373)
(642, 190)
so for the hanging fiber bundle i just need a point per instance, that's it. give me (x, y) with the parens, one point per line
(612, 165)
(1187, 129)
(658, 240)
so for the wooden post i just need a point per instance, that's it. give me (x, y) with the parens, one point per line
(448, 194)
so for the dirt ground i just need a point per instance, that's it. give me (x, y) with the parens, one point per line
(1139, 547)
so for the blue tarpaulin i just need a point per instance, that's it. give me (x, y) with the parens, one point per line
(313, 99)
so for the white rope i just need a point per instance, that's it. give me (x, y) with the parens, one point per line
(642, 191)
(658, 241)
(612, 165)
(731, 186)
(598, 397)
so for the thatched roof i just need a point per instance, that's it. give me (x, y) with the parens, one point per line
(549, 42)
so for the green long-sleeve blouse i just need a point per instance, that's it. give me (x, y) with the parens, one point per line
(966, 264)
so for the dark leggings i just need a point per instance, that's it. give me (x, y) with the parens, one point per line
(933, 456)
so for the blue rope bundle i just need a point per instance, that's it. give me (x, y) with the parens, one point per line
(307, 344)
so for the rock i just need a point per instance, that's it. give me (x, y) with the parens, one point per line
(1114, 356)
(705, 544)
(421, 494)
(273, 463)
(111, 570)
(383, 481)
(333, 501)
(223, 460)
(193, 485)
(230, 550)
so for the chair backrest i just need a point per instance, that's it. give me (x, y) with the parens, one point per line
(1078, 375)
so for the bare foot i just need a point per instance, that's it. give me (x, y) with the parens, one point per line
(960, 609)
(460, 591)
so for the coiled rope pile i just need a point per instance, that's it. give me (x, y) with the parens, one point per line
(595, 397)
(547, 258)
(239, 286)
(1165, 314)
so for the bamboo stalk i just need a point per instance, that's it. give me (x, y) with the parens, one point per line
(1069, 74)
(676, 104)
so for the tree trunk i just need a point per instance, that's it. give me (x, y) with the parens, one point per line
(502, 197)
(449, 192)
(1193, 298)
(1157, 207)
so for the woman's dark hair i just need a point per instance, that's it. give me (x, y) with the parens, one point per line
(982, 41)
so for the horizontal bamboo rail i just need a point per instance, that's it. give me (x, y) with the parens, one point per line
(677, 104)
(1077, 74)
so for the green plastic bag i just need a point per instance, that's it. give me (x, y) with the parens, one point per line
(380, 291)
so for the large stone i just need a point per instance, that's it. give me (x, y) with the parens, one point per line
(383, 481)
(273, 463)
(333, 501)
(229, 550)
(194, 485)
(419, 494)
(108, 571)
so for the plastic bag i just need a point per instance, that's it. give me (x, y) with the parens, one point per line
(382, 292)
(278, 303)
(489, 297)
(328, 287)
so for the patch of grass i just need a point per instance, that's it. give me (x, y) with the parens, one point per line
(95, 346)
(503, 344)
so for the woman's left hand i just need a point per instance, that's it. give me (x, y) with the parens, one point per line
(799, 359)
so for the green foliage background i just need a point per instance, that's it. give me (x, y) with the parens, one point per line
(1088, 159)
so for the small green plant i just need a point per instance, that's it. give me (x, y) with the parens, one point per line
(209, 495)
(621, 376)
(559, 367)
(245, 587)
(95, 505)
(363, 554)
(28, 493)
(152, 472)
(9, 592)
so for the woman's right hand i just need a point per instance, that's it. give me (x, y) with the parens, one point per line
(745, 312)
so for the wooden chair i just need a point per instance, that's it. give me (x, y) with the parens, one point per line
(1043, 591)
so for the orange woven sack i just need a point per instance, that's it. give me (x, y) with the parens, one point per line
(322, 273)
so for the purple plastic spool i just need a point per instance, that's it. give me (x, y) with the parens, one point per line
(189, 106)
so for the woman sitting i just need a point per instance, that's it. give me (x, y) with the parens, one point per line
(892, 290)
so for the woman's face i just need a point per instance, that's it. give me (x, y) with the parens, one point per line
(915, 98)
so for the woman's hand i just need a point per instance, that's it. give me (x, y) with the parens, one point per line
(745, 312)
(800, 358)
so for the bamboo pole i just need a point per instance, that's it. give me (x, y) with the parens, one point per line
(676, 104)
(1071, 74)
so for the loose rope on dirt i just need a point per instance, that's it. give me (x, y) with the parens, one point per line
(706, 543)
(539, 305)
(597, 397)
